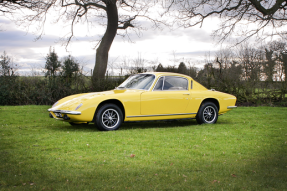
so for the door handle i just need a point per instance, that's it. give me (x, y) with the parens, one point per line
(186, 94)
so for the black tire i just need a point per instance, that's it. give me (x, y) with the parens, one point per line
(207, 113)
(109, 117)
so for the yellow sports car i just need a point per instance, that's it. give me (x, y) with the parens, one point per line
(142, 97)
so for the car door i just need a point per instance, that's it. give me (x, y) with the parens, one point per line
(170, 95)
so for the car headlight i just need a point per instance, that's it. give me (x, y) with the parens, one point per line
(79, 106)
(55, 104)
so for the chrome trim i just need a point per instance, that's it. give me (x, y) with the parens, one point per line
(231, 107)
(161, 115)
(65, 111)
(80, 105)
(152, 83)
(139, 121)
(163, 83)
(157, 82)
(55, 104)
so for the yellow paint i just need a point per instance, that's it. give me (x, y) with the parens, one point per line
(164, 102)
(139, 104)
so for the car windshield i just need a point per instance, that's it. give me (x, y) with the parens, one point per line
(138, 81)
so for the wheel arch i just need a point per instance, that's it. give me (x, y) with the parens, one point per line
(213, 100)
(113, 101)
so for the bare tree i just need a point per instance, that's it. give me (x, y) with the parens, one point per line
(234, 14)
(118, 14)
(7, 67)
(279, 50)
(252, 61)
(10, 8)
(114, 14)
(227, 71)
(269, 65)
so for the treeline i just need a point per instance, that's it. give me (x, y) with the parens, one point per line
(255, 75)
(62, 78)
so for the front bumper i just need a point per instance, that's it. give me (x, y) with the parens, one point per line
(65, 111)
(62, 114)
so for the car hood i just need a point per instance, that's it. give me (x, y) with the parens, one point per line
(73, 102)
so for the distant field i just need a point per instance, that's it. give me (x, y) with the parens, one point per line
(245, 150)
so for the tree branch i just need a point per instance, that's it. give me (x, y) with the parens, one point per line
(271, 11)
(127, 23)
(85, 5)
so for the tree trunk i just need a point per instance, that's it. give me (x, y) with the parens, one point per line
(284, 84)
(107, 40)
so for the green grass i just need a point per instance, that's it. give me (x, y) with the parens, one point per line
(245, 150)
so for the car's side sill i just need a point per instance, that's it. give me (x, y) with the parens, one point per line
(158, 120)
(161, 115)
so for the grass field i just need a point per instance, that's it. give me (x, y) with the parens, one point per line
(245, 150)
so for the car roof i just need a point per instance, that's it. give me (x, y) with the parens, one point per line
(166, 73)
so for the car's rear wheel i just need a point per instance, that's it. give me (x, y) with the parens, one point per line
(207, 113)
(109, 117)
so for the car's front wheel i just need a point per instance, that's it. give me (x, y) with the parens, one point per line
(109, 117)
(207, 113)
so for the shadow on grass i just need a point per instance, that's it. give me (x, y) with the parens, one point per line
(67, 127)
(128, 125)
(157, 124)
(269, 172)
(136, 125)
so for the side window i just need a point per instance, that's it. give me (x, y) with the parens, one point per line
(191, 84)
(158, 86)
(175, 83)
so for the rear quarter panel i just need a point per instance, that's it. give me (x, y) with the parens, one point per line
(198, 96)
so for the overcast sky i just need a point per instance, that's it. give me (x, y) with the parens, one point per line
(169, 47)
